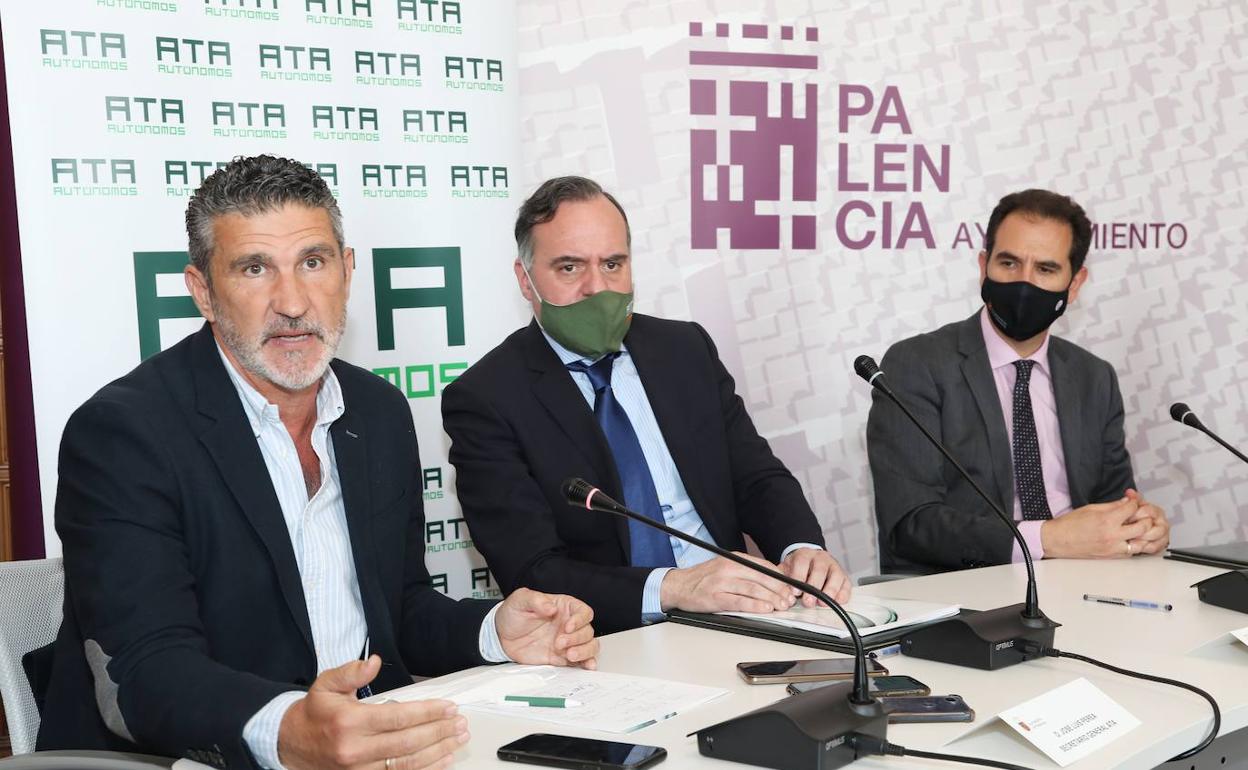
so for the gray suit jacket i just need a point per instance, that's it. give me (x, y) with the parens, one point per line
(930, 519)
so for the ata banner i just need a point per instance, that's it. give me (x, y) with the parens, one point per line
(407, 108)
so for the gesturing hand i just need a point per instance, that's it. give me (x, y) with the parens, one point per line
(540, 628)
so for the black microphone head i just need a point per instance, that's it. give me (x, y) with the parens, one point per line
(575, 490)
(866, 367)
(1179, 410)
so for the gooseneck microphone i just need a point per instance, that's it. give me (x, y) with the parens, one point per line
(581, 494)
(988, 639)
(1181, 413)
(793, 732)
(1229, 589)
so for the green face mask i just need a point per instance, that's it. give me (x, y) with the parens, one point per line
(592, 327)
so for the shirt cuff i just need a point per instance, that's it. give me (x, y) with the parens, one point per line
(785, 553)
(490, 645)
(260, 732)
(652, 597)
(1031, 533)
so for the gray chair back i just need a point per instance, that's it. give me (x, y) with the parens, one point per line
(31, 596)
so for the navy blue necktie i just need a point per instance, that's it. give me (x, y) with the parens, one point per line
(1028, 473)
(649, 547)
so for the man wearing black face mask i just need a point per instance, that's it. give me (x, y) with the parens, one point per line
(1037, 420)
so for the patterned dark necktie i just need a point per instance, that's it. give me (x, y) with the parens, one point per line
(1028, 474)
(648, 547)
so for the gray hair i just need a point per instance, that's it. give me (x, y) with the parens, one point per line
(251, 186)
(544, 203)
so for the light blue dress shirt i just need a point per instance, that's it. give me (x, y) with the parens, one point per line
(678, 511)
(322, 546)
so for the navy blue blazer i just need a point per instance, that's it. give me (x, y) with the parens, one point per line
(519, 426)
(184, 607)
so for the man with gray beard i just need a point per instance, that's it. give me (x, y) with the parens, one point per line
(243, 528)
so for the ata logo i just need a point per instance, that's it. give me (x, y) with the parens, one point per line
(83, 50)
(194, 57)
(469, 73)
(94, 177)
(249, 119)
(249, 10)
(439, 16)
(436, 127)
(145, 115)
(183, 177)
(357, 14)
(483, 584)
(337, 123)
(393, 268)
(379, 68)
(295, 62)
(479, 182)
(479, 578)
(394, 180)
(448, 535)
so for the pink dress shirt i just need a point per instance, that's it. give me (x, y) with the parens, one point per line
(1001, 358)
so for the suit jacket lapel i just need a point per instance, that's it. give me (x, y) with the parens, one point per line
(351, 458)
(978, 374)
(554, 389)
(1068, 394)
(672, 410)
(230, 441)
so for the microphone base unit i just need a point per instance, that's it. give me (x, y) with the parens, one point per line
(802, 732)
(1229, 590)
(983, 639)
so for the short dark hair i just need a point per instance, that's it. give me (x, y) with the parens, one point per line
(250, 186)
(543, 204)
(1045, 204)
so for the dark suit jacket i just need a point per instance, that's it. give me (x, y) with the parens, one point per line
(181, 586)
(519, 426)
(930, 519)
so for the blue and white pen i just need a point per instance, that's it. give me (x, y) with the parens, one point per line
(1138, 604)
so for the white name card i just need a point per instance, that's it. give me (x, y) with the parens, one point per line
(1241, 635)
(1071, 722)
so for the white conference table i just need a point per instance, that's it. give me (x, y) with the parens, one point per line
(1192, 644)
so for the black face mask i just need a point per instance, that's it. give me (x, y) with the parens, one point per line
(1021, 310)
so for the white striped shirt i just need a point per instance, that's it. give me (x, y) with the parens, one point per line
(322, 545)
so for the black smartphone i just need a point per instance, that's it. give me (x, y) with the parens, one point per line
(897, 684)
(821, 669)
(905, 709)
(894, 684)
(584, 753)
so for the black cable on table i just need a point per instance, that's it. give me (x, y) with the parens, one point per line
(869, 744)
(1217, 713)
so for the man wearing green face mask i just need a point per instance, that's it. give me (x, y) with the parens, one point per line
(641, 407)
(1036, 420)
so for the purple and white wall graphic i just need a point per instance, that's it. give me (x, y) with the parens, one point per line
(810, 180)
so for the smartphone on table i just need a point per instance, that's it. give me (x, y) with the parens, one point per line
(892, 684)
(904, 709)
(583, 753)
(820, 669)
